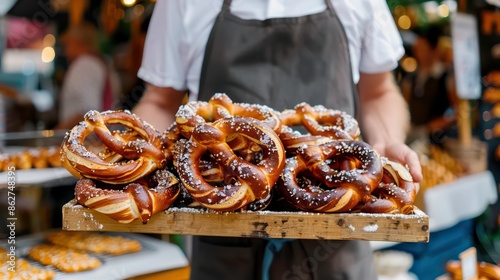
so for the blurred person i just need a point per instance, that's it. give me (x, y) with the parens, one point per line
(429, 91)
(90, 83)
(336, 53)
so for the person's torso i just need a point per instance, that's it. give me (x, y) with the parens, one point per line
(279, 62)
(199, 17)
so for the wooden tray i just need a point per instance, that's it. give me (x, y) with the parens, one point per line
(342, 226)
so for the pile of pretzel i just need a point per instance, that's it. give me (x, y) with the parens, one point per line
(234, 156)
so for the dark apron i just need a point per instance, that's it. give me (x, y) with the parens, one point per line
(280, 62)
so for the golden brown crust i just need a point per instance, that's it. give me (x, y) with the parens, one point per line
(396, 192)
(64, 259)
(221, 106)
(94, 242)
(138, 200)
(321, 121)
(313, 181)
(246, 181)
(140, 157)
(23, 269)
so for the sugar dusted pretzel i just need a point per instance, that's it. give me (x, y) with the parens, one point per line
(319, 120)
(24, 270)
(138, 200)
(395, 194)
(62, 258)
(137, 157)
(221, 106)
(314, 180)
(93, 242)
(243, 182)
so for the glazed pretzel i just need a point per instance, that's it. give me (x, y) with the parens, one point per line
(137, 200)
(395, 194)
(314, 181)
(319, 120)
(243, 182)
(140, 156)
(214, 174)
(221, 106)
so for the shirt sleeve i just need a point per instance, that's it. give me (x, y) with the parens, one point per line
(382, 46)
(162, 63)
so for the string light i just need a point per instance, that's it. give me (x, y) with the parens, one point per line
(443, 10)
(48, 54)
(404, 22)
(128, 3)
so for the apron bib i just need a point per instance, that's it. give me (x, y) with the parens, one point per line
(279, 62)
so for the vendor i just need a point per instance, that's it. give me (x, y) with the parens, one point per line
(91, 83)
(279, 53)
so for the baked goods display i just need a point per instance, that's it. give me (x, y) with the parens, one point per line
(62, 258)
(23, 269)
(39, 157)
(233, 156)
(93, 242)
(486, 271)
(438, 166)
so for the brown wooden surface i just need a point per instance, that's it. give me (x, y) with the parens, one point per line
(342, 226)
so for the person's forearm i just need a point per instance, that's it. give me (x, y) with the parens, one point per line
(158, 106)
(384, 117)
(384, 120)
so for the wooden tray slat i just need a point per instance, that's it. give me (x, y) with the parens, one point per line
(342, 226)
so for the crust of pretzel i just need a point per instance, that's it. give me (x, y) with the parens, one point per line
(396, 192)
(135, 201)
(318, 120)
(141, 156)
(310, 183)
(221, 106)
(244, 181)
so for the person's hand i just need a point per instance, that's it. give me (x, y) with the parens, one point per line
(403, 154)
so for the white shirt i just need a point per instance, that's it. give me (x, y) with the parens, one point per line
(179, 30)
(83, 87)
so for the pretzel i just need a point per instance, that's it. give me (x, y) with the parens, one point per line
(243, 181)
(140, 157)
(137, 200)
(485, 270)
(62, 258)
(319, 120)
(293, 140)
(395, 194)
(313, 181)
(221, 106)
(94, 242)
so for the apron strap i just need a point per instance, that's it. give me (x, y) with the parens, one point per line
(226, 7)
(329, 6)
